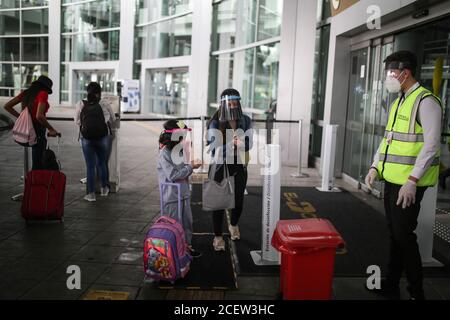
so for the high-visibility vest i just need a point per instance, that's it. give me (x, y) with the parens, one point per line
(398, 157)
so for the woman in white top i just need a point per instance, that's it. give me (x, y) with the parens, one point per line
(93, 116)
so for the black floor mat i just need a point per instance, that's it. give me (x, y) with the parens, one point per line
(363, 229)
(212, 271)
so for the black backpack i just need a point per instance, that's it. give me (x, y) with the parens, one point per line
(49, 161)
(93, 126)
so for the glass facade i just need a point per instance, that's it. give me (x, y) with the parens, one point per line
(168, 92)
(163, 29)
(253, 71)
(320, 77)
(23, 44)
(90, 32)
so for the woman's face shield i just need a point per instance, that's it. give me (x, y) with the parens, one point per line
(230, 108)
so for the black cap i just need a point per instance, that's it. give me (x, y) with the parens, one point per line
(44, 82)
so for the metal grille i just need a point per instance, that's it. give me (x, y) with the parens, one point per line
(442, 231)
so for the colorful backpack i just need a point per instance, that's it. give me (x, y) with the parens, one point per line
(166, 255)
(165, 251)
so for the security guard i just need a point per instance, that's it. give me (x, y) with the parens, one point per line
(408, 160)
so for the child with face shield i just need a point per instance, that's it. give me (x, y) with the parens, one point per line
(174, 167)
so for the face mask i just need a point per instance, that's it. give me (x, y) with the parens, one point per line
(392, 84)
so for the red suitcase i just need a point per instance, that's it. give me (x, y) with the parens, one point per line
(43, 198)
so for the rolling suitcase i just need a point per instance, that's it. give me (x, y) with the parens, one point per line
(43, 197)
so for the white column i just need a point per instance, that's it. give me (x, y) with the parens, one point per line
(298, 36)
(199, 68)
(425, 227)
(54, 52)
(127, 15)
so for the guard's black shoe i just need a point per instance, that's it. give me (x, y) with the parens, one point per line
(416, 294)
(388, 290)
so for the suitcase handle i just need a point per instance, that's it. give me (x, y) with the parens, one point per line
(162, 187)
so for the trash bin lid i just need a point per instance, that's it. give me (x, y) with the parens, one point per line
(318, 233)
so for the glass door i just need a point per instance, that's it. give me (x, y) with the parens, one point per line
(368, 109)
(168, 91)
(106, 79)
(379, 102)
(356, 113)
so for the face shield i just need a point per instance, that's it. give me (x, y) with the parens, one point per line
(230, 108)
(393, 72)
(182, 132)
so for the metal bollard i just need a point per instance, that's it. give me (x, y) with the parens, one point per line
(299, 173)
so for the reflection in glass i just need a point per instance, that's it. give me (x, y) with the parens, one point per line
(151, 10)
(9, 49)
(31, 72)
(35, 21)
(234, 24)
(96, 46)
(168, 92)
(9, 23)
(266, 76)
(170, 38)
(355, 113)
(35, 49)
(6, 75)
(9, 4)
(91, 16)
(34, 3)
(269, 23)
(106, 79)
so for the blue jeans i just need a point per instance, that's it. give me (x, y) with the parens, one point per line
(95, 155)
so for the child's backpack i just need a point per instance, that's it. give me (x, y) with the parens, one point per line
(166, 255)
(93, 126)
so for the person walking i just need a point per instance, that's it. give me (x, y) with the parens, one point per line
(93, 117)
(408, 161)
(230, 119)
(36, 99)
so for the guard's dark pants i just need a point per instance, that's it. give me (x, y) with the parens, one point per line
(240, 182)
(404, 250)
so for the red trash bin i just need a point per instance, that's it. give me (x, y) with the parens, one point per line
(307, 247)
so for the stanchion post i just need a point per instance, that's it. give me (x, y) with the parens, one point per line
(299, 173)
(202, 168)
(268, 255)
(19, 197)
(328, 159)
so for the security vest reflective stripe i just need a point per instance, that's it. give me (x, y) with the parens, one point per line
(403, 141)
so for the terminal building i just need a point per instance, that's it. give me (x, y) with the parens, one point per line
(314, 62)
(319, 61)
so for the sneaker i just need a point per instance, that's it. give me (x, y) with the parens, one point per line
(104, 191)
(90, 197)
(234, 232)
(194, 253)
(219, 244)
